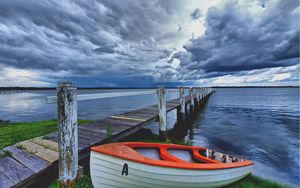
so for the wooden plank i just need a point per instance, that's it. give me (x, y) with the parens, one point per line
(117, 122)
(53, 137)
(84, 144)
(87, 142)
(46, 143)
(91, 132)
(31, 161)
(89, 138)
(120, 128)
(14, 170)
(176, 101)
(4, 181)
(115, 125)
(101, 126)
(97, 129)
(151, 111)
(153, 107)
(127, 118)
(170, 105)
(40, 151)
(146, 112)
(102, 129)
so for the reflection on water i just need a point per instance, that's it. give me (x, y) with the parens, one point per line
(31, 106)
(260, 124)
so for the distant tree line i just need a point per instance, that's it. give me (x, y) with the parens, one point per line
(53, 88)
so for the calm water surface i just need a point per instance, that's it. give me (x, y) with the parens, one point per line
(260, 124)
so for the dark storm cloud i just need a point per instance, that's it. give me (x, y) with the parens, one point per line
(85, 37)
(238, 40)
(196, 14)
(129, 41)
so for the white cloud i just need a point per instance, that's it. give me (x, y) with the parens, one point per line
(19, 77)
(282, 76)
(132, 40)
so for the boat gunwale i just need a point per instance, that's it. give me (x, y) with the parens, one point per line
(125, 150)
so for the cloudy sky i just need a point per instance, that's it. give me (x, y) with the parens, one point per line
(123, 43)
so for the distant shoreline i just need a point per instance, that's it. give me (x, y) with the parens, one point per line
(105, 88)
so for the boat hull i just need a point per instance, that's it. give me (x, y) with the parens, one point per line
(107, 170)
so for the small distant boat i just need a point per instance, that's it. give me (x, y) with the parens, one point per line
(153, 165)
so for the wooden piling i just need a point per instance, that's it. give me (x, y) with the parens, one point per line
(162, 112)
(198, 97)
(191, 101)
(67, 133)
(181, 109)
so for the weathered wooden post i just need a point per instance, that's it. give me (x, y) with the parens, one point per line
(181, 109)
(198, 98)
(67, 133)
(162, 112)
(191, 101)
(195, 98)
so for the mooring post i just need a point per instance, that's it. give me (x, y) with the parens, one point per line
(198, 98)
(181, 109)
(191, 101)
(67, 133)
(162, 112)
(195, 99)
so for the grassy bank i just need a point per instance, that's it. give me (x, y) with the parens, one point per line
(248, 182)
(252, 181)
(11, 133)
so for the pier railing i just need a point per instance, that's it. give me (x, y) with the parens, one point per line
(67, 99)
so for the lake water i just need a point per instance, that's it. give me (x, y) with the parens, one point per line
(260, 124)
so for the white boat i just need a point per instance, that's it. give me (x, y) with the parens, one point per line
(150, 165)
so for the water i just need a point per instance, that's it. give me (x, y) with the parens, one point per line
(31, 106)
(260, 124)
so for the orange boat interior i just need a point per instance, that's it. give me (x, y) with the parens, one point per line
(171, 155)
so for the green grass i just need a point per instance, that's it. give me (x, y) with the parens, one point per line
(252, 181)
(248, 182)
(84, 182)
(11, 133)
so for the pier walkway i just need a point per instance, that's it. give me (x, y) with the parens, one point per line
(32, 162)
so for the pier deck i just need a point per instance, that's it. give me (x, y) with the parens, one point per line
(28, 161)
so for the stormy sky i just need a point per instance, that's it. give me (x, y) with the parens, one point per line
(142, 43)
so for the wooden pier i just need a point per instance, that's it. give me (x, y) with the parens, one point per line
(38, 161)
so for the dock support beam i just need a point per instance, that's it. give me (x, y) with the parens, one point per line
(191, 101)
(162, 112)
(181, 109)
(67, 133)
(197, 98)
(200, 97)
